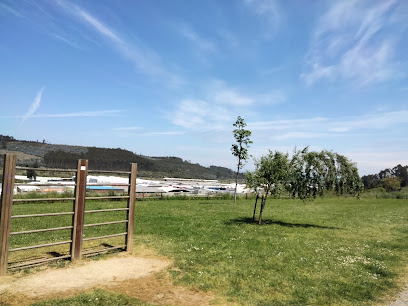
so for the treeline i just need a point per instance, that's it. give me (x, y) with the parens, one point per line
(66, 157)
(120, 159)
(389, 179)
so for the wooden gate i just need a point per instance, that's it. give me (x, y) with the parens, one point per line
(78, 212)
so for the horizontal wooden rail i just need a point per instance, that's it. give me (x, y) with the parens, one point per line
(105, 223)
(107, 197)
(36, 262)
(71, 170)
(104, 250)
(108, 171)
(105, 210)
(40, 246)
(46, 184)
(51, 184)
(42, 215)
(41, 230)
(46, 169)
(75, 179)
(106, 236)
(43, 199)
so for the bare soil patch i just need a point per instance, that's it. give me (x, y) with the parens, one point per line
(402, 299)
(133, 276)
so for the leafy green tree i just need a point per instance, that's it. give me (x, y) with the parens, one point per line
(402, 173)
(306, 175)
(240, 148)
(391, 183)
(271, 174)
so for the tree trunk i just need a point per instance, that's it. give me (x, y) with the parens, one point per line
(262, 208)
(256, 201)
(236, 183)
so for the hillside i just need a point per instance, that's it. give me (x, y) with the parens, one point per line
(66, 156)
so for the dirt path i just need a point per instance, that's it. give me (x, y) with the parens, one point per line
(402, 299)
(134, 276)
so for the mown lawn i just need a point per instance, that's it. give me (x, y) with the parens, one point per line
(340, 251)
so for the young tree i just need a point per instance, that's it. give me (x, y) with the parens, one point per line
(272, 172)
(240, 148)
(306, 175)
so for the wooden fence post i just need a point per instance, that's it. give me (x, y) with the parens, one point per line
(131, 207)
(7, 194)
(79, 210)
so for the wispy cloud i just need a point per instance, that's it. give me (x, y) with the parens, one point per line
(129, 128)
(144, 59)
(201, 43)
(164, 133)
(11, 10)
(138, 131)
(219, 106)
(354, 40)
(34, 106)
(223, 94)
(200, 115)
(102, 113)
(268, 10)
(321, 127)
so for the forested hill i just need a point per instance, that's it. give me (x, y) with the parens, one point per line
(66, 156)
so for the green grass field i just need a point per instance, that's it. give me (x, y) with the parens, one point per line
(340, 251)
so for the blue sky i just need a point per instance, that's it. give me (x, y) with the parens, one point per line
(169, 78)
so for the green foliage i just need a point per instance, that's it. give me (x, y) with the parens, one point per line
(374, 180)
(306, 175)
(271, 172)
(240, 148)
(313, 173)
(391, 183)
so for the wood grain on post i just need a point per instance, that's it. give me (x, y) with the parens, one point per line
(131, 207)
(7, 194)
(79, 209)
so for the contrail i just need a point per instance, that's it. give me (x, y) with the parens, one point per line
(33, 108)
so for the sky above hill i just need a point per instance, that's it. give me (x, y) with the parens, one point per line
(169, 78)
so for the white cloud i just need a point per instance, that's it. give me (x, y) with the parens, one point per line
(98, 25)
(299, 135)
(129, 128)
(103, 113)
(322, 127)
(163, 133)
(144, 59)
(228, 96)
(354, 40)
(370, 162)
(267, 10)
(11, 10)
(221, 93)
(201, 43)
(34, 106)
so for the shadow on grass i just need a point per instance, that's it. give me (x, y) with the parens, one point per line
(246, 220)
